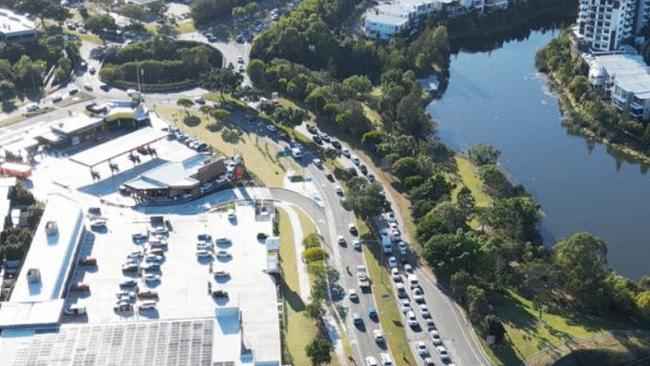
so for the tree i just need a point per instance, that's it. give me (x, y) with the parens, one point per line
(318, 350)
(359, 85)
(579, 86)
(582, 260)
(451, 253)
(405, 167)
(540, 279)
(477, 304)
(445, 218)
(411, 116)
(483, 154)
(256, 69)
(643, 304)
(314, 310)
(185, 103)
(28, 73)
(459, 282)
(495, 181)
(314, 254)
(57, 13)
(366, 199)
(515, 218)
(433, 189)
(38, 8)
(311, 241)
(465, 200)
(101, 24)
(221, 80)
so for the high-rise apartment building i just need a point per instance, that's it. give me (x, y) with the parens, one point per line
(605, 25)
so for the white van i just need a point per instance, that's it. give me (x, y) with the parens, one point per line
(32, 107)
(413, 281)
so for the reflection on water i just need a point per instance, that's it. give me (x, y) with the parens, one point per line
(498, 98)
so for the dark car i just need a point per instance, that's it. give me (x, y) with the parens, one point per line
(317, 140)
(336, 144)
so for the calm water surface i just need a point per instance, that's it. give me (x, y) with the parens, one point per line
(498, 98)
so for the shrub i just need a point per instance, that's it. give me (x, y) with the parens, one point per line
(314, 255)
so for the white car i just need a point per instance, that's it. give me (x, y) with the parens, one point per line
(355, 160)
(444, 355)
(435, 337)
(56, 98)
(422, 349)
(339, 191)
(412, 320)
(147, 305)
(392, 262)
(240, 59)
(371, 361)
(408, 268)
(341, 240)
(406, 305)
(424, 311)
(202, 253)
(352, 294)
(353, 229)
(271, 128)
(394, 273)
(318, 163)
(356, 244)
(151, 277)
(379, 335)
(390, 217)
(222, 254)
(88, 87)
(385, 359)
(345, 152)
(418, 295)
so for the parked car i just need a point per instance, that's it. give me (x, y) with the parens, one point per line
(130, 267)
(88, 261)
(219, 293)
(98, 225)
(222, 254)
(224, 242)
(147, 305)
(151, 277)
(123, 308)
(138, 237)
(203, 253)
(128, 283)
(221, 274)
(79, 287)
(74, 309)
(149, 294)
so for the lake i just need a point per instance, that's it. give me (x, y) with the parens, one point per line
(499, 98)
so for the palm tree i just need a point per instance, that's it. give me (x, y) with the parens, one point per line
(185, 103)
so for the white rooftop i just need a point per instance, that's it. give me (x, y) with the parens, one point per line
(118, 146)
(172, 174)
(385, 19)
(52, 255)
(12, 22)
(75, 123)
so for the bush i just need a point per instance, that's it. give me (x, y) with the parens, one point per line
(314, 254)
(215, 126)
(230, 135)
(191, 120)
(311, 241)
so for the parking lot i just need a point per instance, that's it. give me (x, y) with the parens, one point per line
(182, 287)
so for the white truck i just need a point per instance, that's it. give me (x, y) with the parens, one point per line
(362, 277)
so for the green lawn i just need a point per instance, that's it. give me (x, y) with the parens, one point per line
(186, 27)
(299, 329)
(260, 157)
(389, 314)
(468, 176)
(529, 334)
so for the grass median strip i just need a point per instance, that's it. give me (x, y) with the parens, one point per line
(389, 315)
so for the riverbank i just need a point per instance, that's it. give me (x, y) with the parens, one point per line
(567, 105)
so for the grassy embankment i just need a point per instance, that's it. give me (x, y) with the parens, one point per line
(261, 158)
(298, 330)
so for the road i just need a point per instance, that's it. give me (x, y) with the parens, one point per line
(450, 320)
(332, 220)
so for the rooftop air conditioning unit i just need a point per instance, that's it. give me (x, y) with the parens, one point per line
(33, 275)
(51, 228)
